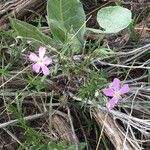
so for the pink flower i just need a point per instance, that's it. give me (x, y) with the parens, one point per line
(41, 61)
(115, 92)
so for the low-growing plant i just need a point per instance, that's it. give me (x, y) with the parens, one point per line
(67, 24)
(66, 55)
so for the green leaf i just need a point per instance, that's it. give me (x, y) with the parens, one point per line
(66, 16)
(80, 146)
(103, 52)
(113, 19)
(74, 44)
(48, 146)
(30, 32)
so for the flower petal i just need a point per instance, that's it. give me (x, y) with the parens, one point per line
(111, 104)
(124, 89)
(109, 92)
(116, 84)
(36, 67)
(47, 60)
(42, 52)
(33, 57)
(45, 70)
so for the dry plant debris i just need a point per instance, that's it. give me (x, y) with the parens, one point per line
(68, 103)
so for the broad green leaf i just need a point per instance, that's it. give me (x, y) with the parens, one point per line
(30, 32)
(57, 31)
(66, 16)
(113, 19)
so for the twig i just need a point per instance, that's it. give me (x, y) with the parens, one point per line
(15, 138)
(122, 66)
(15, 76)
(72, 127)
(102, 131)
(128, 124)
(29, 118)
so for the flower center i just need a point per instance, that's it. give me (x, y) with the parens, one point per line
(41, 61)
(117, 94)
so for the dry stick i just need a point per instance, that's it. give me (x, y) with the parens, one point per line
(124, 142)
(131, 141)
(15, 138)
(50, 116)
(134, 140)
(3, 87)
(31, 117)
(26, 94)
(101, 131)
(131, 105)
(15, 75)
(28, 118)
(135, 51)
(129, 70)
(123, 66)
(98, 8)
(139, 28)
(136, 122)
(72, 127)
(81, 127)
(22, 90)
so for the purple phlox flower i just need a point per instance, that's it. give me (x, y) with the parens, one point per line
(41, 62)
(115, 92)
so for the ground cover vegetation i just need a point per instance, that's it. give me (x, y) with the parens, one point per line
(74, 75)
